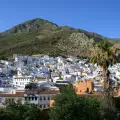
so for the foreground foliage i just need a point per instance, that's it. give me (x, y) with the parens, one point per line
(17, 111)
(69, 106)
(104, 55)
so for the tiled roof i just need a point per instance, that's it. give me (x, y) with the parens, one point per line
(18, 94)
(41, 92)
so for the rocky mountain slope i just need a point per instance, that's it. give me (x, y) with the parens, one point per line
(40, 36)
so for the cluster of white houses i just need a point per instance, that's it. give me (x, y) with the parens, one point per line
(48, 73)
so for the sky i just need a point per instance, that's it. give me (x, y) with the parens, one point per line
(100, 16)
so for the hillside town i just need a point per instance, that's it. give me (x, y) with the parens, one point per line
(37, 79)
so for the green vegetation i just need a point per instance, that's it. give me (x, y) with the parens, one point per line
(105, 55)
(40, 36)
(3, 58)
(69, 106)
(17, 111)
(31, 86)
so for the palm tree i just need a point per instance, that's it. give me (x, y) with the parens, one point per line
(104, 54)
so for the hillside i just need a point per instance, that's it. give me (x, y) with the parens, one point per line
(40, 36)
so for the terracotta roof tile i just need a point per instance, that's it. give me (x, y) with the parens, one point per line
(41, 92)
(18, 94)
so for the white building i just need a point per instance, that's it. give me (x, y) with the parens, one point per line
(21, 81)
(12, 96)
(41, 98)
(118, 74)
(38, 97)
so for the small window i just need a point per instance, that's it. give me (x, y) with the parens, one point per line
(80, 91)
(25, 98)
(44, 106)
(44, 98)
(16, 82)
(87, 90)
(48, 98)
(35, 98)
(40, 97)
(29, 98)
(32, 98)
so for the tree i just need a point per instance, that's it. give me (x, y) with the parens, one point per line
(33, 113)
(69, 106)
(31, 86)
(105, 55)
(3, 57)
(8, 101)
(17, 111)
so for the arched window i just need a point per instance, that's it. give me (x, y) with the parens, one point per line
(87, 90)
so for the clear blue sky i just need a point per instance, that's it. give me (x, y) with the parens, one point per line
(101, 16)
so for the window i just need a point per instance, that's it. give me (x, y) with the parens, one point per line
(87, 90)
(40, 97)
(48, 98)
(29, 98)
(44, 106)
(32, 98)
(16, 82)
(35, 98)
(44, 98)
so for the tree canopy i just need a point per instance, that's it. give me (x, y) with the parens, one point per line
(105, 55)
(69, 106)
(17, 111)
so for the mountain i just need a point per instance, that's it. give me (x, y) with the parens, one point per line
(39, 36)
(31, 26)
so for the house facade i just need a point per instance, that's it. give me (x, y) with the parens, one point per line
(38, 97)
(41, 98)
(21, 81)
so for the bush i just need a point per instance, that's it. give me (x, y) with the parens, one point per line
(69, 106)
